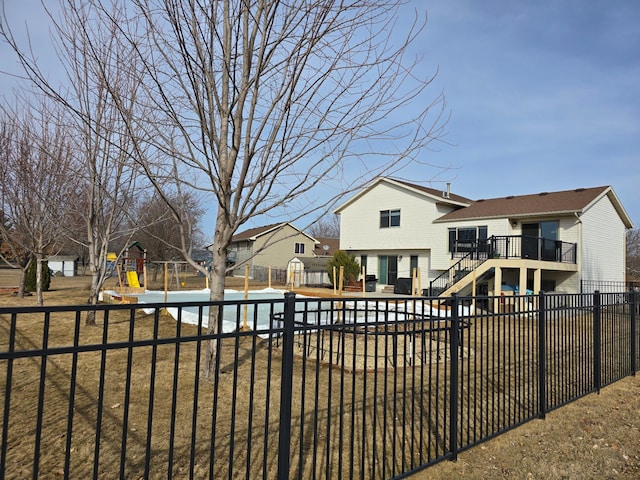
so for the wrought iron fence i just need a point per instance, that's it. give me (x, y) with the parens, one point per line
(361, 388)
(590, 286)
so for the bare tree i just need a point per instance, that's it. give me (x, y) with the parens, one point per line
(327, 226)
(37, 184)
(105, 82)
(158, 230)
(12, 251)
(102, 81)
(263, 104)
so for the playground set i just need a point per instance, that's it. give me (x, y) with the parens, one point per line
(130, 268)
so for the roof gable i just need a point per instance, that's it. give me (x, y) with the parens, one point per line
(431, 193)
(253, 233)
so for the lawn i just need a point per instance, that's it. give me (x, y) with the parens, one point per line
(594, 437)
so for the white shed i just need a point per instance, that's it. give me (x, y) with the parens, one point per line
(65, 265)
(308, 271)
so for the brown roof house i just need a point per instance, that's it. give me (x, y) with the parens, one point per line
(551, 241)
(269, 246)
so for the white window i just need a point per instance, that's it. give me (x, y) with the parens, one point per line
(299, 247)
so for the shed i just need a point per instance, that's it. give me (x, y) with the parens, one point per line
(308, 271)
(65, 265)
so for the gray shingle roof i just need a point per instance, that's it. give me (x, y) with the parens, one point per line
(545, 203)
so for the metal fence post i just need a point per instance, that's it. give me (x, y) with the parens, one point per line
(286, 387)
(542, 356)
(634, 331)
(597, 340)
(454, 346)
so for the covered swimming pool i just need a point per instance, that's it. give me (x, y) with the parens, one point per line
(264, 308)
(233, 314)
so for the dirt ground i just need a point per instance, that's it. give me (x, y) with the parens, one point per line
(595, 437)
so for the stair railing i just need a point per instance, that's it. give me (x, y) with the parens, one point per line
(477, 254)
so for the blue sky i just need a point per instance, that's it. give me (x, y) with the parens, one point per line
(543, 96)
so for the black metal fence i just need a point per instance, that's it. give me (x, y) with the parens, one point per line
(315, 388)
(590, 286)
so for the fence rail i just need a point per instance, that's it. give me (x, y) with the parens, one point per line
(316, 388)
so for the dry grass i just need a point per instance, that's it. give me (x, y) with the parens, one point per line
(594, 437)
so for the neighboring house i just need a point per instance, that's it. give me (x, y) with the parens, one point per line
(65, 265)
(549, 241)
(326, 247)
(269, 246)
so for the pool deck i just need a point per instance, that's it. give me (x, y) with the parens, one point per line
(328, 293)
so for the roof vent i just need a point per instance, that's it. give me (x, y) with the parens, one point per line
(580, 189)
(509, 197)
(447, 192)
(543, 193)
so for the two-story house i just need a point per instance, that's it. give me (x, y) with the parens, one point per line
(269, 246)
(548, 241)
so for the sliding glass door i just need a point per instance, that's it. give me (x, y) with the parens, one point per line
(539, 240)
(387, 269)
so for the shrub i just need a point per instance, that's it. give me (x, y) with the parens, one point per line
(30, 278)
(350, 264)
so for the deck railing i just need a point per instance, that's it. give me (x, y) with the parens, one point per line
(472, 254)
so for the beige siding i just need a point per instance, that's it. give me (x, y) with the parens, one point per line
(243, 251)
(360, 221)
(360, 231)
(603, 243)
(277, 248)
(272, 249)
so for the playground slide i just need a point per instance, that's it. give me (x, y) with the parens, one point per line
(132, 279)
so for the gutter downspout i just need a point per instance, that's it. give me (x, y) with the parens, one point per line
(579, 250)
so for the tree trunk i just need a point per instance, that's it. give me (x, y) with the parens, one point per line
(90, 319)
(23, 277)
(39, 296)
(216, 284)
